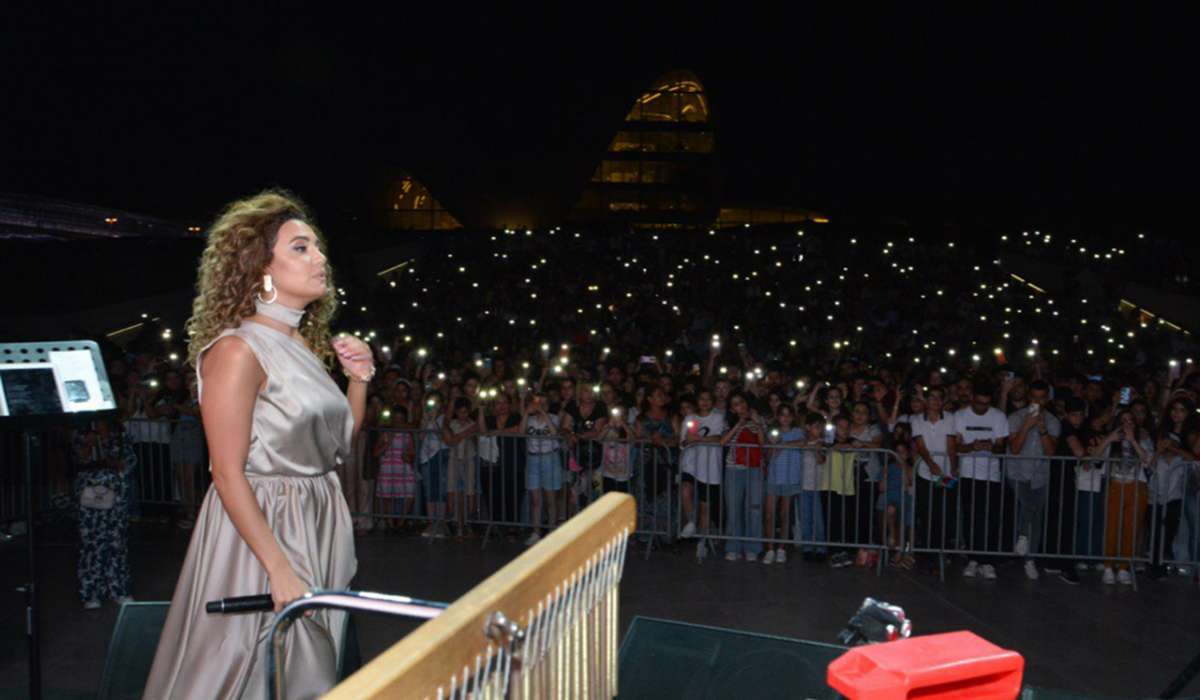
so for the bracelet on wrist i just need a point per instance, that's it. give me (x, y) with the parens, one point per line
(360, 380)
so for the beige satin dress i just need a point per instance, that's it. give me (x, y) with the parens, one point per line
(301, 432)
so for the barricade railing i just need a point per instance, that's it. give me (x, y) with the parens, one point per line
(1119, 512)
(824, 501)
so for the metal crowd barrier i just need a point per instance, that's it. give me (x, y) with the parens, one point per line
(1086, 510)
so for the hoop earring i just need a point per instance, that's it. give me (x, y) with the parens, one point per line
(270, 289)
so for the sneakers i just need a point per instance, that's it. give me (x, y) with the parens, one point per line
(769, 557)
(840, 560)
(972, 569)
(731, 556)
(781, 556)
(92, 605)
(1108, 576)
(533, 539)
(1031, 570)
(1069, 576)
(1053, 568)
(1022, 547)
(428, 532)
(1081, 566)
(701, 549)
(988, 572)
(688, 530)
(751, 556)
(1124, 577)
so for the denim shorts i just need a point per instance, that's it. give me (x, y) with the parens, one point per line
(543, 472)
(783, 490)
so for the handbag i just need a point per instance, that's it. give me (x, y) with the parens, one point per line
(97, 497)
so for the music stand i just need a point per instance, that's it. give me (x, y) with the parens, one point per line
(43, 385)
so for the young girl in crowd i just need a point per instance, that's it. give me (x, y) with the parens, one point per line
(700, 464)
(898, 496)
(1131, 450)
(783, 479)
(743, 487)
(461, 472)
(865, 434)
(396, 482)
(616, 466)
(102, 488)
(543, 467)
(502, 464)
(1172, 457)
(811, 513)
(434, 458)
(839, 484)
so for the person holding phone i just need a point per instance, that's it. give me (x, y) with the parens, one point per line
(1129, 449)
(1172, 456)
(743, 487)
(543, 467)
(1035, 432)
(700, 466)
(277, 426)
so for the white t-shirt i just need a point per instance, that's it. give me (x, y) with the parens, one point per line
(906, 418)
(539, 432)
(703, 461)
(810, 477)
(1167, 481)
(936, 436)
(431, 437)
(992, 425)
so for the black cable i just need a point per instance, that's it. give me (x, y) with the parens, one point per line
(1181, 681)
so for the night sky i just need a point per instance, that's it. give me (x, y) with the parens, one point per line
(982, 120)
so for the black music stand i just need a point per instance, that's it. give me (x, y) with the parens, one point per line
(43, 385)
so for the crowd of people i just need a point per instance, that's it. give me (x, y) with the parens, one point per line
(754, 389)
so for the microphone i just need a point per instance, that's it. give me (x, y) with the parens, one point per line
(243, 604)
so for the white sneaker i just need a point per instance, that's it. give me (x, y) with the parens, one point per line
(92, 605)
(1108, 576)
(781, 556)
(1022, 547)
(1031, 570)
(972, 569)
(751, 556)
(533, 539)
(702, 549)
(731, 556)
(1081, 566)
(988, 572)
(769, 557)
(688, 530)
(1124, 577)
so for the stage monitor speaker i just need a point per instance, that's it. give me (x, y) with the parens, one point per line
(131, 650)
(661, 659)
(135, 638)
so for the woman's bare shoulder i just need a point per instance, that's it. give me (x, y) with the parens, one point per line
(231, 358)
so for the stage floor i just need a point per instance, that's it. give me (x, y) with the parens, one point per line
(1105, 641)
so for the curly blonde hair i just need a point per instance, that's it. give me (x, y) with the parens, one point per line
(232, 267)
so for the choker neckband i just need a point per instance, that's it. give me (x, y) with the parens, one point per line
(280, 313)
